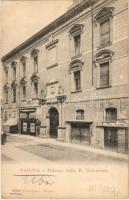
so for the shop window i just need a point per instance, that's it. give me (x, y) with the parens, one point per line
(80, 114)
(77, 44)
(111, 115)
(77, 80)
(14, 95)
(104, 74)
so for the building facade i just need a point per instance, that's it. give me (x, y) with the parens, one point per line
(70, 80)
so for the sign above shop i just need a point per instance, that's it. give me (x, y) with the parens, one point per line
(117, 124)
(30, 103)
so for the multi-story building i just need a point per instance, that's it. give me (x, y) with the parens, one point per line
(70, 80)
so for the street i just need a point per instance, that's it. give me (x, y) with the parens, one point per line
(20, 148)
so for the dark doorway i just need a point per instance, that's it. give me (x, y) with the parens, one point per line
(80, 133)
(54, 122)
(111, 138)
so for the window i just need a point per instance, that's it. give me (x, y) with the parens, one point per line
(36, 90)
(24, 92)
(104, 20)
(105, 32)
(6, 96)
(104, 74)
(111, 115)
(77, 43)
(14, 94)
(14, 73)
(24, 69)
(6, 76)
(80, 114)
(75, 37)
(36, 64)
(34, 54)
(77, 80)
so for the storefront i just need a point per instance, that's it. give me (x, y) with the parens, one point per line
(29, 124)
(116, 136)
(80, 132)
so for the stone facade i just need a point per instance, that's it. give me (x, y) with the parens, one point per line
(63, 92)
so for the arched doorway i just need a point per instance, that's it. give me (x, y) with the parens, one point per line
(54, 122)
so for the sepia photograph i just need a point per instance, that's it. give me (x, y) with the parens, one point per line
(64, 99)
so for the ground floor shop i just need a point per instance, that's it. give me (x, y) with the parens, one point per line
(102, 124)
(29, 124)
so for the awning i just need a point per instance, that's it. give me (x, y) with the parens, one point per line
(11, 122)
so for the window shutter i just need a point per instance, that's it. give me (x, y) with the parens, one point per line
(104, 74)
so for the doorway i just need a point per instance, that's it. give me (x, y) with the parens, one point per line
(111, 138)
(80, 133)
(54, 122)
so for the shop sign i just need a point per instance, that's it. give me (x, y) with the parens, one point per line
(30, 103)
(118, 124)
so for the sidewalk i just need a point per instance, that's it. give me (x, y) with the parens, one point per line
(37, 140)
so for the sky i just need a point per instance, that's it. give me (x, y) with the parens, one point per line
(22, 19)
(19, 20)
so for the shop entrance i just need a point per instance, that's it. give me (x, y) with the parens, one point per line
(28, 126)
(80, 133)
(54, 122)
(111, 138)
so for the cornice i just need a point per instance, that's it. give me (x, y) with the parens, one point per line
(59, 21)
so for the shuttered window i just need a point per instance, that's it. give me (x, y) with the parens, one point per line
(105, 32)
(104, 74)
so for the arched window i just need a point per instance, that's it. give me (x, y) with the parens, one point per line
(79, 114)
(103, 18)
(75, 33)
(111, 115)
(103, 63)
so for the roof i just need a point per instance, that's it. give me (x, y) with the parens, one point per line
(59, 21)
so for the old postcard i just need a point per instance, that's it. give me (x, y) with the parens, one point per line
(64, 99)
